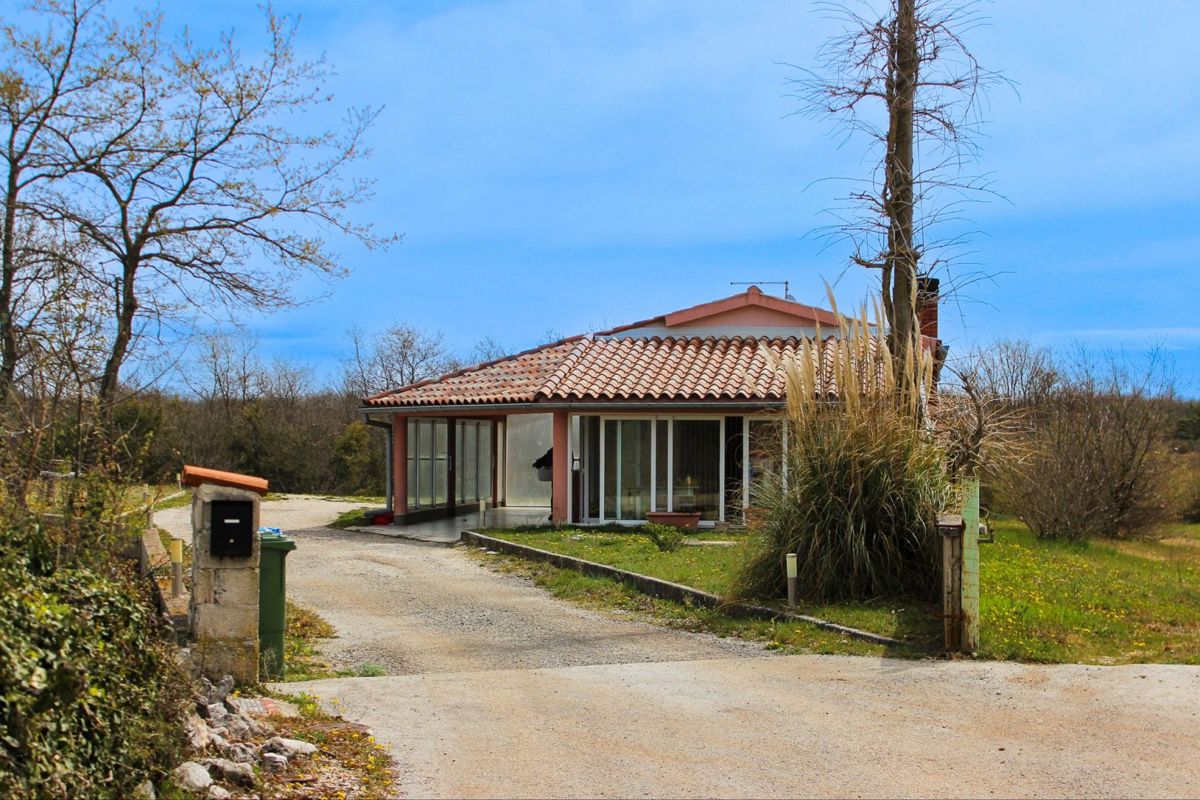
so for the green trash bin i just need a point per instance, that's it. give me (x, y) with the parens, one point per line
(272, 599)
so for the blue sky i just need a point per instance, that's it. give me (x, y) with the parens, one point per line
(557, 165)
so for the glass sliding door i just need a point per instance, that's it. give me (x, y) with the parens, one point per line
(696, 467)
(766, 453)
(473, 465)
(428, 462)
(589, 447)
(628, 458)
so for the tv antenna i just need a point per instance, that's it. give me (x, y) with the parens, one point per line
(785, 284)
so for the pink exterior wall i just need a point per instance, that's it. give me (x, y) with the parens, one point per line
(399, 464)
(559, 509)
(750, 317)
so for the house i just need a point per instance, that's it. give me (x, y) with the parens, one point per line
(671, 414)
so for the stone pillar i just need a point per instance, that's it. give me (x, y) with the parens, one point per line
(560, 469)
(224, 609)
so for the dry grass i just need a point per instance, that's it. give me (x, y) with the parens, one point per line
(350, 764)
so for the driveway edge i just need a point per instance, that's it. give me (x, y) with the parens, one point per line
(657, 587)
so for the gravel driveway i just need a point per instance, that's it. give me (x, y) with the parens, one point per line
(414, 608)
(795, 726)
(288, 513)
(502, 691)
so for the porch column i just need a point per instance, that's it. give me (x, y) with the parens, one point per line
(399, 456)
(561, 469)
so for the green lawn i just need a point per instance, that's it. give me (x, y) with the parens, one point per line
(1092, 602)
(1098, 602)
(618, 598)
(709, 567)
(702, 567)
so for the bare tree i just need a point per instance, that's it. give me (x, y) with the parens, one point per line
(487, 349)
(401, 355)
(60, 82)
(907, 81)
(205, 191)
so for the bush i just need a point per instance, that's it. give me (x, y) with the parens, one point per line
(1187, 478)
(89, 692)
(1099, 465)
(864, 486)
(666, 538)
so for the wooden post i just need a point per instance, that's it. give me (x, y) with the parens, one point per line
(950, 526)
(970, 566)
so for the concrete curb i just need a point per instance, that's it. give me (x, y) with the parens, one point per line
(656, 587)
(400, 534)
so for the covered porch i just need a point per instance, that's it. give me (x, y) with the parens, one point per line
(605, 465)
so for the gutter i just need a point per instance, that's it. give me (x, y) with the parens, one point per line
(579, 407)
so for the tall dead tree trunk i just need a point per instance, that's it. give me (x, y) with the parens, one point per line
(907, 80)
(902, 257)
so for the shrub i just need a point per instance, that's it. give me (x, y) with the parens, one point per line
(1187, 479)
(863, 488)
(666, 538)
(89, 692)
(1098, 464)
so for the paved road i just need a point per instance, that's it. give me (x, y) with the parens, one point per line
(501, 691)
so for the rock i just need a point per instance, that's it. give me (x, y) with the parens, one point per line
(230, 771)
(274, 762)
(215, 713)
(237, 727)
(259, 728)
(240, 752)
(217, 740)
(192, 777)
(289, 747)
(221, 690)
(197, 732)
(145, 791)
(216, 792)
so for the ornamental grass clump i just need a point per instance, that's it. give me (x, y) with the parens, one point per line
(862, 481)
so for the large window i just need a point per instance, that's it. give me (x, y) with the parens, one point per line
(428, 462)
(765, 455)
(660, 464)
(473, 462)
(529, 437)
(696, 475)
(628, 452)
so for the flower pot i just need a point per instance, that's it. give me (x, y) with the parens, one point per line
(680, 519)
(544, 474)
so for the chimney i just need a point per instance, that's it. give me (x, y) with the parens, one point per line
(927, 305)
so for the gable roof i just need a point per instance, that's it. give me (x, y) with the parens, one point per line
(786, 312)
(592, 370)
(602, 368)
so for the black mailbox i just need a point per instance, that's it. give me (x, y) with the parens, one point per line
(232, 528)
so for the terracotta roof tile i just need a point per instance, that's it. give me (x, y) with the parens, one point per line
(634, 369)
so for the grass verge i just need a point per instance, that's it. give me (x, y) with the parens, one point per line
(604, 594)
(302, 649)
(301, 644)
(1093, 602)
(350, 763)
(710, 566)
(349, 519)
